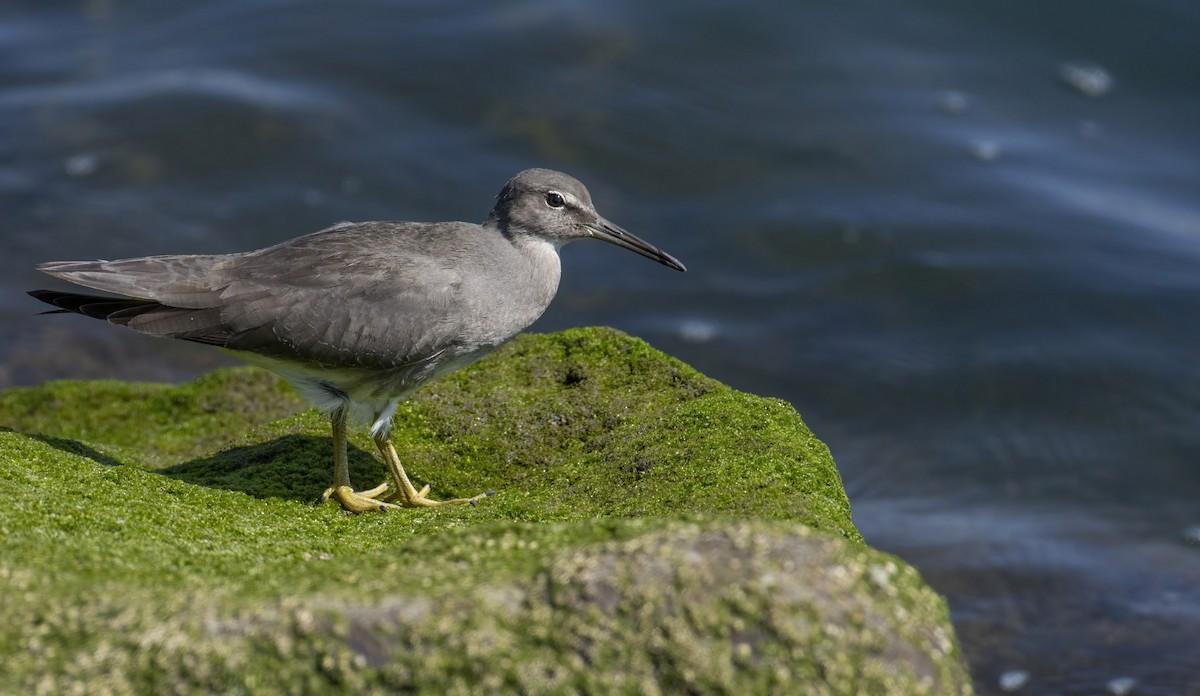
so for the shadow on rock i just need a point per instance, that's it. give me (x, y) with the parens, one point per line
(295, 467)
(72, 447)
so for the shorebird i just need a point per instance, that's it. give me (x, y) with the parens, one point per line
(358, 315)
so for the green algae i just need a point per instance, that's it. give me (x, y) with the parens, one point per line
(149, 422)
(654, 530)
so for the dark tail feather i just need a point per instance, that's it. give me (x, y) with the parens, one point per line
(144, 316)
(96, 306)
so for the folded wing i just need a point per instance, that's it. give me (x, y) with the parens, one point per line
(349, 296)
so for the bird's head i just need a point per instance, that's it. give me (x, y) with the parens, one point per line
(557, 208)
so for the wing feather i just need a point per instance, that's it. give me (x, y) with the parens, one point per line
(362, 295)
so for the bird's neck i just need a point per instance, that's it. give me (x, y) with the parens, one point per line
(542, 268)
(512, 289)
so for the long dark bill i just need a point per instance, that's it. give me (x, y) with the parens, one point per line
(607, 231)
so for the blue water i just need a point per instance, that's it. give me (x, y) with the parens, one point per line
(977, 281)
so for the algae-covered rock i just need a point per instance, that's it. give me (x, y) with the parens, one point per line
(654, 532)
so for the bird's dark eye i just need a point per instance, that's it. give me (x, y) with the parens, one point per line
(554, 199)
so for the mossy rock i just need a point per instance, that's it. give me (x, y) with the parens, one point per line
(653, 531)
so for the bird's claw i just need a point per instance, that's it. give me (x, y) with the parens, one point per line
(355, 502)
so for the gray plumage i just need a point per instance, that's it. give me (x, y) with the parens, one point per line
(359, 314)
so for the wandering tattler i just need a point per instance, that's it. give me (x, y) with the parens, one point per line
(359, 315)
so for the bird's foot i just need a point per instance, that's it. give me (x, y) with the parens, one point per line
(358, 501)
(408, 496)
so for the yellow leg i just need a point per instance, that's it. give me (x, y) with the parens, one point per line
(341, 490)
(406, 494)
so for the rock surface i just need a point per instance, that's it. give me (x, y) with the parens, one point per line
(654, 532)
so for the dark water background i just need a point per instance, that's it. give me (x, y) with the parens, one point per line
(979, 283)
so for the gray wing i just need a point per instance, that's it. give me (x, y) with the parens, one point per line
(353, 295)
